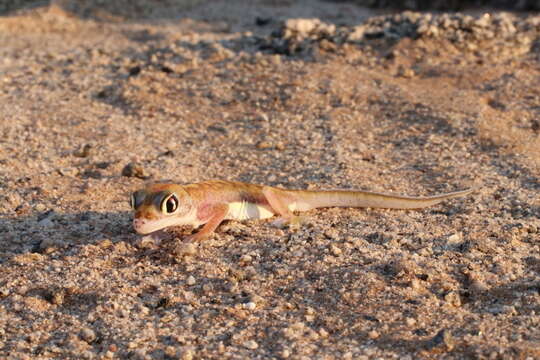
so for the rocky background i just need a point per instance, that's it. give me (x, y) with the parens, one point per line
(143, 8)
(98, 98)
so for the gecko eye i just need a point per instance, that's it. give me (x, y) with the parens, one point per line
(169, 204)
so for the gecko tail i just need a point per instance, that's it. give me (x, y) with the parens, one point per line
(307, 200)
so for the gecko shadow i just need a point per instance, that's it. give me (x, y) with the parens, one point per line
(38, 231)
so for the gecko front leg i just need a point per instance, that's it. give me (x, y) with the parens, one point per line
(281, 202)
(215, 215)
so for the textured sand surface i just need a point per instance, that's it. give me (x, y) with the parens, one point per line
(95, 102)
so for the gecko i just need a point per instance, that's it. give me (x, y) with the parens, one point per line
(209, 203)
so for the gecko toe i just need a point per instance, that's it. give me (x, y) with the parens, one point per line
(293, 222)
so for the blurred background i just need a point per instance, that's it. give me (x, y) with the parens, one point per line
(148, 8)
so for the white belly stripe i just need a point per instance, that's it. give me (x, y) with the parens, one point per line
(243, 210)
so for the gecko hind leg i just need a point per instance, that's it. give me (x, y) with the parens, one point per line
(279, 201)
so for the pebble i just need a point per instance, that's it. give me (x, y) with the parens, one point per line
(68, 171)
(88, 335)
(297, 34)
(478, 286)
(186, 354)
(303, 26)
(332, 234)
(251, 344)
(83, 151)
(134, 169)
(263, 145)
(146, 242)
(47, 222)
(207, 288)
(185, 249)
(410, 321)
(190, 280)
(454, 238)
(245, 259)
(405, 72)
(453, 299)
(40, 207)
(49, 245)
(442, 338)
(336, 251)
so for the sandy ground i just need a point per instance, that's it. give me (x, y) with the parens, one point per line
(223, 90)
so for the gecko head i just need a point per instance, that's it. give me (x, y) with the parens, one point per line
(159, 206)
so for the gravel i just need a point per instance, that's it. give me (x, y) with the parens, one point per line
(319, 95)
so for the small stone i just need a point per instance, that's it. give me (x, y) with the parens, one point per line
(87, 355)
(453, 299)
(263, 145)
(250, 305)
(443, 337)
(207, 288)
(185, 249)
(336, 251)
(251, 344)
(410, 321)
(49, 245)
(40, 207)
(83, 151)
(105, 244)
(405, 72)
(301, 26)
(47, 222)
(245, 259)
(502, 309)
(134, 169)
(186, 354)
(190, 280)
(454, 238)
(478, 286)
(58, 297)
(276, 59)
(68, 171)
(144, 310)
(147, 242)
(373, 334)
(139, 354)
(332, 234)
(88, 335)
(170, 352)
(280, 146)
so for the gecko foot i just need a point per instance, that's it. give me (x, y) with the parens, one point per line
(293, 222)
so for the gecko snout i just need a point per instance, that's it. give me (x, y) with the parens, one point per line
(138, 224)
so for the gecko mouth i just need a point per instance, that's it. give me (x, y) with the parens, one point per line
(141, 226)
(145, 226)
